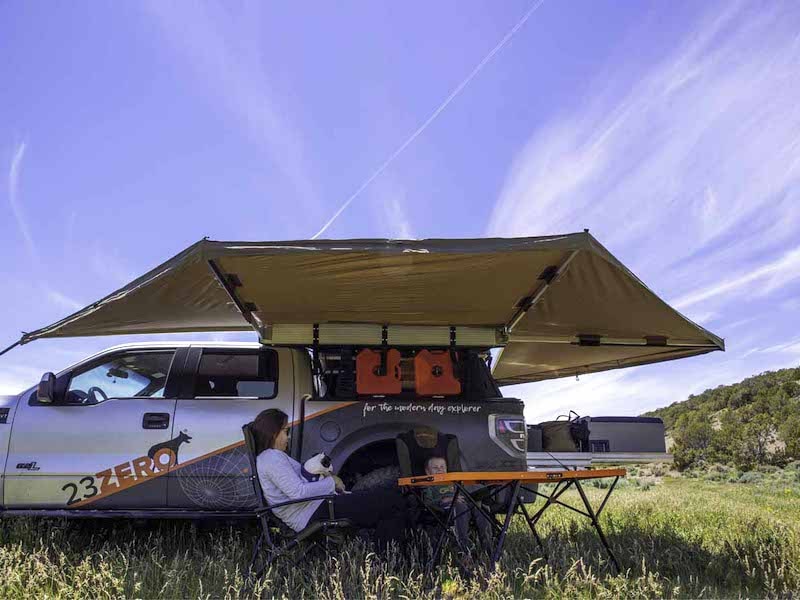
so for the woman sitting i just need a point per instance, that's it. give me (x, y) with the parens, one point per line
(281, 481)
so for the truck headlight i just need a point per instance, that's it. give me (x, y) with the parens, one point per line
(509, 432)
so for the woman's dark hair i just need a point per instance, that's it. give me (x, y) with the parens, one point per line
(267, 426)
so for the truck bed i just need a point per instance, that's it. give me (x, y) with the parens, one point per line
(543, 460)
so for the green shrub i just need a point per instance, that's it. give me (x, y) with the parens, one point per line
(751, 477)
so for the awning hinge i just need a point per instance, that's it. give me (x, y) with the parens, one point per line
(585, 339)
(549, 274)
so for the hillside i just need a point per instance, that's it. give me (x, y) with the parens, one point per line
(755, 421)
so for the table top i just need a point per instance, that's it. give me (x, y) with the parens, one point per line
(544, 476)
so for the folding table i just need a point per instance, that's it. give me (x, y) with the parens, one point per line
(516, 481)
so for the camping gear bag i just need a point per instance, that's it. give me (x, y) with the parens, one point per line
(569, 435)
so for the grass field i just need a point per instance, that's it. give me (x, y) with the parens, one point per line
(675, 537)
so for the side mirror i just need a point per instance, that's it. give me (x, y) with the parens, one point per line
(46, 391)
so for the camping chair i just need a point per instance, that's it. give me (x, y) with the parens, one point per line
(276, 538)
(414, 448)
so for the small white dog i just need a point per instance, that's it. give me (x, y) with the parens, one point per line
(317, 467)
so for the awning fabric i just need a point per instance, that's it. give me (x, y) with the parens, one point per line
(560, 305)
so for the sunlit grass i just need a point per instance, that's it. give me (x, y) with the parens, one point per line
(675, 538)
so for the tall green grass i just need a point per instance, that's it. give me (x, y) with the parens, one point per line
(675, 538)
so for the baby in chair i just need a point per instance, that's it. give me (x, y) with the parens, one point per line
(442, 496)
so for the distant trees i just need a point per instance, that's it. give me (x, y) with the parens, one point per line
(756, 421)
(789, 432)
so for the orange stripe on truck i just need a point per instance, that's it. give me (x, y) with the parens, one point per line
(143, 469)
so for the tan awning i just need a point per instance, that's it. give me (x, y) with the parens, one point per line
(560, 305)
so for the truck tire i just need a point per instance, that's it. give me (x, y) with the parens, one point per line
(382, 478)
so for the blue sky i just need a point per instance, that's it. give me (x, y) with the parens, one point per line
(671, 130)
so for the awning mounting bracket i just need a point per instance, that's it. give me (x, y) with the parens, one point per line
(384, 351)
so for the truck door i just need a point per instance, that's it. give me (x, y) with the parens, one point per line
(104, 443)
(229, 388)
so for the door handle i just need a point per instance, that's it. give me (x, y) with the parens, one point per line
(155, 421)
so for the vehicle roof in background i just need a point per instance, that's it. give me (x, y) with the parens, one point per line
(559, 305)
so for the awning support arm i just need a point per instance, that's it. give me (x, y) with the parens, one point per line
(597, 340)
(229, 284)
(549, 276)
(11, 347)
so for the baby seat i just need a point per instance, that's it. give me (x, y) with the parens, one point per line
(416, 446)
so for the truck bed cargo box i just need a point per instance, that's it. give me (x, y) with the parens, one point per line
(612, 440)
(627, 434)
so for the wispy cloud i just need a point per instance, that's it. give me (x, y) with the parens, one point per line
(17, 210)
(16, 207)
(691, 176)
(431, 118)
(396, 216)
(15, 378)
(107, 263)
(221, 43)
(63, 301)
(611, 393)
(703, 146)
(769, 277)
(791, 348)
(387, 203)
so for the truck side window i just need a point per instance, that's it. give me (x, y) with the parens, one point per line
(126, 375)
(237, 374)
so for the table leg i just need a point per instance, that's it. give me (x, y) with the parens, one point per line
(551, 499)
(596, 524)
(532, 526)
(495, 525)
(512, 505)
(608, 495)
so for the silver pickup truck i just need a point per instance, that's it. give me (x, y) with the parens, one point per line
(150, 429)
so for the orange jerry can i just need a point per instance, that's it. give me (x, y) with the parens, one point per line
(433, 374)
(369, 379)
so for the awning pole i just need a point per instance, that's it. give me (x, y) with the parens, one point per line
(11, 347)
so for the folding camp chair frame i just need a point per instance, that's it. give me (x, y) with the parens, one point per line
(279, 545)
(276, 546)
